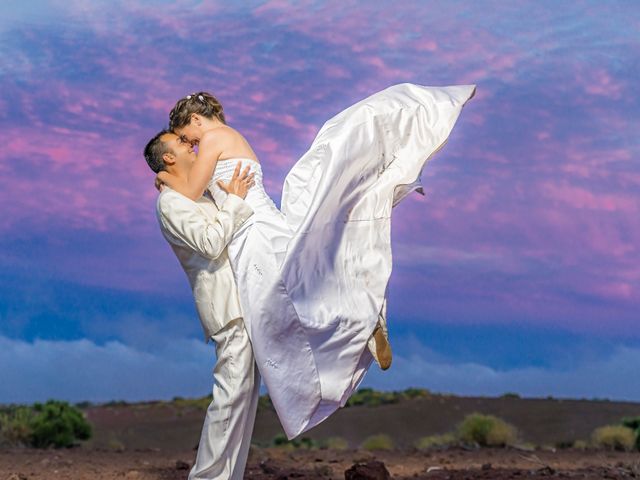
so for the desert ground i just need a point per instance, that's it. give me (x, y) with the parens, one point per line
(157, 440)
(280, 464)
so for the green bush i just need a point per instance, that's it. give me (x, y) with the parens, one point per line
(372, 398)
(264, 403)
(614, 437)
(486, 431)
(435, 441)
(378, 442)
(199, 403)
(281, 441)
(410, 393)
(510, 395)
(116, 403)
(634, 424)
(53, 423)
(15, 425)
(58, 424)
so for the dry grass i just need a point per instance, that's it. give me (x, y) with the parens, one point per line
(614, 437)
(378, 442)
(487, 431)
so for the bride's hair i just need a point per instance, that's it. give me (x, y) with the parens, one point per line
(202, 103)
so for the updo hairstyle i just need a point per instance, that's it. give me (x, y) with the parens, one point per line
(202, 103)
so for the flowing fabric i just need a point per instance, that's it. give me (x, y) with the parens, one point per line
(312, 278)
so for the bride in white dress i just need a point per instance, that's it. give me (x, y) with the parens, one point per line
(312, 277)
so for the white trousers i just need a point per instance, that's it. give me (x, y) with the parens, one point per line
(228, 425)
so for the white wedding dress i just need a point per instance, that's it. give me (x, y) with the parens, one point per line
(312, 278)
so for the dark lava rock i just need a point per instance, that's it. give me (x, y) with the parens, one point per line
(323, 471)
(180, 465)
(486, 466)
(267, 466)
(547, 470)
(373, 470)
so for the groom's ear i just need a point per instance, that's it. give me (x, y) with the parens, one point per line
(168, 158)
(195, 119)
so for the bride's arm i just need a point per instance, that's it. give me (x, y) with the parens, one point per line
(200, 175)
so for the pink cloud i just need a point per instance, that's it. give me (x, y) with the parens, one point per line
(536, 189)
(578, 197)
(600, 82)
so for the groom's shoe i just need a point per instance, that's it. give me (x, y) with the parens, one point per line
(379, 345)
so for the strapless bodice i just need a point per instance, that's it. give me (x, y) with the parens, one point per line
(256, 197)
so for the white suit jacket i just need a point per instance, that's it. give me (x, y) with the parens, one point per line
(198, 233)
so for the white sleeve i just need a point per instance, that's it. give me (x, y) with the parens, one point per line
(208, 236)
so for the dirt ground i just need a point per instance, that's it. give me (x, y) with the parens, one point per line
(281, 464)
(540, 422)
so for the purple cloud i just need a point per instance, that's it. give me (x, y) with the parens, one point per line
(531, 211)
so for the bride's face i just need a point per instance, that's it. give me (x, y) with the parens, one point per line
(193, 130)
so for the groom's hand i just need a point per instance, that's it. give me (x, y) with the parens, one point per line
(240, 183)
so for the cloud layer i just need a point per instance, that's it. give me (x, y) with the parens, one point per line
(83, 370)
(531, 214)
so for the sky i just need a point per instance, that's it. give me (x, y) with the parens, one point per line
(518, 271)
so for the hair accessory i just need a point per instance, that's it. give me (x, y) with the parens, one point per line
(201, 98)
(188, 97)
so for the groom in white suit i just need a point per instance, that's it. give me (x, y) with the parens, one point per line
(198, 233)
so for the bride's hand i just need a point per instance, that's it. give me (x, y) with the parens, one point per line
(240, 183)
(159, 184)
(165, 179)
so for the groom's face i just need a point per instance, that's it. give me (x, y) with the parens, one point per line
(181, 150)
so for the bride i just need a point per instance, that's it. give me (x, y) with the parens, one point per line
(312, 277)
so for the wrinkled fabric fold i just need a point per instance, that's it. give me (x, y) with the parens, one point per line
(312, 278)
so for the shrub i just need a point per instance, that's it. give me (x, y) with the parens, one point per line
(372, 398)
(634, 424)
(281, 441)
(510, 395)
(614, 437)
(199, 403)
(54, 423)
(564, 444)
(580, 445)
(15, 425)
(378, 442)
(264, 403)
(116, 445)
(336, 443)
(415, 393)
(58, 424)
(435, 441)
(486, 430)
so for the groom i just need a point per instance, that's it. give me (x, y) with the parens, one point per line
(198, 233)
